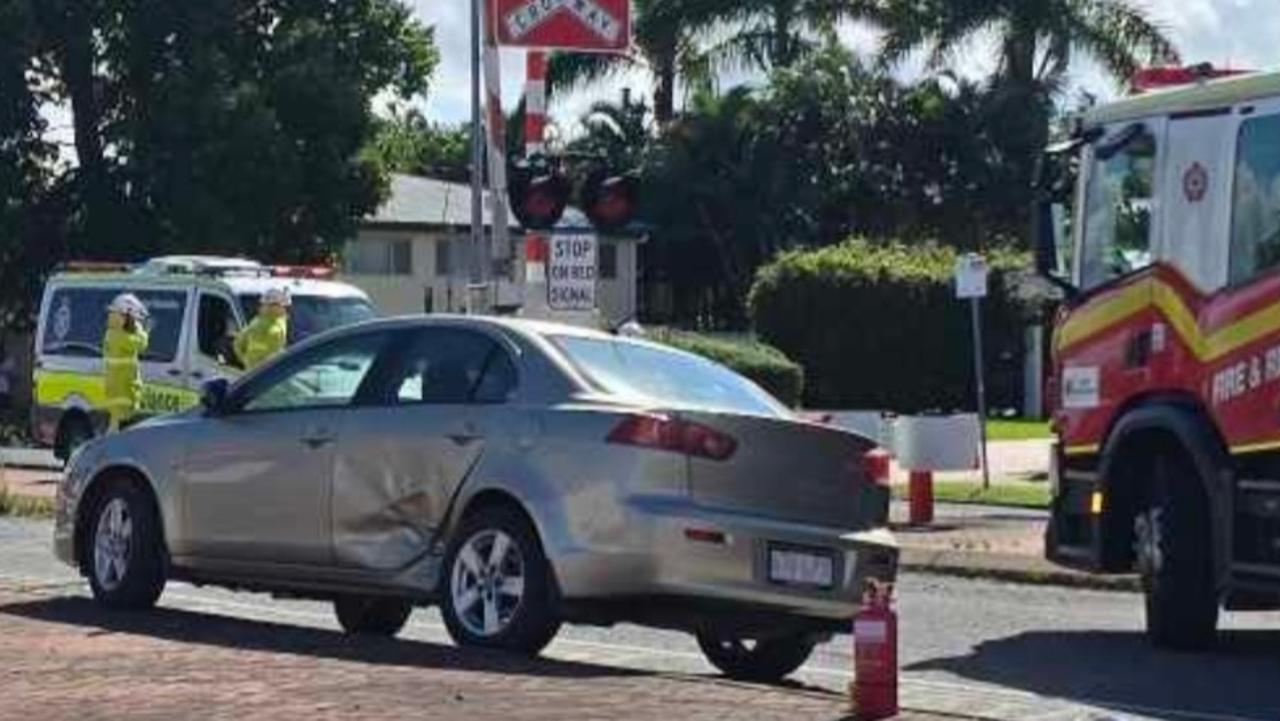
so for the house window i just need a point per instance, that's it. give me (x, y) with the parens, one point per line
(608, 261)
(444, 258)
(378, 256)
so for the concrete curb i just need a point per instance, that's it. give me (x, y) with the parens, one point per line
(1010, 568)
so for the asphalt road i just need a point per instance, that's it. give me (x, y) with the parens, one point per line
(988, 650)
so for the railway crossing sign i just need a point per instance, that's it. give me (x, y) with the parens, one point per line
(602, 26)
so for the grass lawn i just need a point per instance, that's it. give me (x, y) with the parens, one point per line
(1017, 429)
(1020, 494)
(12, 504)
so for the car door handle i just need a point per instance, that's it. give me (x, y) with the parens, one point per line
(467, 435)
(317, 440)
(197, 375)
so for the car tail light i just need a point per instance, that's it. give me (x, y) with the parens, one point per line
(675, 435)
(875, 464)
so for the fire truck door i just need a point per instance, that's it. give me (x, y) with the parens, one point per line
(1197, 197)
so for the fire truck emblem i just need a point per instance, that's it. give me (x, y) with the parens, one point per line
(529, 15)
(1195, 183)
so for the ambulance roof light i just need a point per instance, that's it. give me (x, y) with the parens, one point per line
(1158, 78)
(304, 272)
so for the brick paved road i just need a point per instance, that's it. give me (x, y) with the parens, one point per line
(64, 658)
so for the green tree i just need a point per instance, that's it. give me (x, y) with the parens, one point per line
(667, 35)
(31, 213)
(768, 34)
(1037, 39)
(619, 133)
(406, 142)
(225, 126)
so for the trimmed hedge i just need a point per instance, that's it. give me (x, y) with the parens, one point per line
(766, 365)
(878, 326)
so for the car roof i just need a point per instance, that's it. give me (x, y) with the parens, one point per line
(237, 285)
(1189, 98)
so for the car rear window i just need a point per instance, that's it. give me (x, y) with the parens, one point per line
(312, 315)
(78, 320)
(641, 371)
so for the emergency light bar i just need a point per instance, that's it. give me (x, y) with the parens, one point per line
(90, 266)
(306, 272)
(1149, 79)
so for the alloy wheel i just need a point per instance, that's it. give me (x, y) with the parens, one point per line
(112, 544)
(488, 583)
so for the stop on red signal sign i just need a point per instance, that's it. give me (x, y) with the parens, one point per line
(579, 25)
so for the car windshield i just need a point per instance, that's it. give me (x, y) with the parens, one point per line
(312, 314)
(667, 376)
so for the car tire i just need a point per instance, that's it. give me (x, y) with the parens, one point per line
(124, 550)
(763, 660)
(498, 588)
(75, 431)
(1173, 546)
(372, 615)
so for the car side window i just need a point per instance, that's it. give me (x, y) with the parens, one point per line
(1118, 204)
(217, 326)
(1255, 221)
(329, 376)
(449, 367)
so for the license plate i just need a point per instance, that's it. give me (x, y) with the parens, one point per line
(794, 567)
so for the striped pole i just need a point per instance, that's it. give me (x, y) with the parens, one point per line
(535, 104)
(535, 127)
(500, 246)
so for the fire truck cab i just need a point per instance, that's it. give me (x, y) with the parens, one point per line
(1166, 354)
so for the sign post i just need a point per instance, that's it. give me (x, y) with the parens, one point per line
(971, 285)
(571, 273)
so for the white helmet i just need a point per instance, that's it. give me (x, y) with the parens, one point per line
(127, 304)
(277, 296)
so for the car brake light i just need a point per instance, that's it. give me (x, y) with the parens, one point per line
(875, 464)
(675, 435)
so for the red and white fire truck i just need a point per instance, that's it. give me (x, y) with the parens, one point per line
(1166, 371)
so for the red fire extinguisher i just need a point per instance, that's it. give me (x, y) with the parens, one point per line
(875, 655)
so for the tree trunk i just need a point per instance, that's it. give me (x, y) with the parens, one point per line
(69, 27)
(664, 95)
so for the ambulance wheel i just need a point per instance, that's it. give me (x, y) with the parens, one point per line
(74, 431)
(1173, 546)
(371, 615)
(123, 549)
(764, 660)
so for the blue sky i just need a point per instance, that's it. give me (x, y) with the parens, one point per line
(1241, 33)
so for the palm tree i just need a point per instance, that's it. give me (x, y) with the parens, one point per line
(666, 44)
(779, 33)
(1038, 38)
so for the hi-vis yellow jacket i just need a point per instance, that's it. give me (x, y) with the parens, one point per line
(121, 349)
(265, 336)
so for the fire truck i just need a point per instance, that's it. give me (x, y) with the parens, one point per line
(1166, 354)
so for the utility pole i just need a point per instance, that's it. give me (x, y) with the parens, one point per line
(477, 250)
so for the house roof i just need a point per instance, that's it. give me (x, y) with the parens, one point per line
(416, 201)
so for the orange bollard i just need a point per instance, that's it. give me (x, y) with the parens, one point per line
(921, 498)
(875, 657)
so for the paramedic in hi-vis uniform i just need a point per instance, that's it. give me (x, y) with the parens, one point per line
(124, 344)
(268, 332)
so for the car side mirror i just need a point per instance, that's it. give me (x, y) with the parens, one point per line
(213, 396)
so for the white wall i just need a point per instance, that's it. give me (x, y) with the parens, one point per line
(406, 294)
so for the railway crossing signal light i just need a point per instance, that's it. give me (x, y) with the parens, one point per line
(539, 193)
(610, 200)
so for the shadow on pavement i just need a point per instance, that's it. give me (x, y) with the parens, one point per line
(1122, 671)
(240, 634)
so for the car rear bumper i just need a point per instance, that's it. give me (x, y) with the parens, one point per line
(675, 549)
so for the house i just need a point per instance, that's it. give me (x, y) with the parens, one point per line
(412, 255)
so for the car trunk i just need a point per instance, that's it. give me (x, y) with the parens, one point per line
(789, 470)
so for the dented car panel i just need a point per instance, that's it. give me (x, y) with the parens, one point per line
(364, 491)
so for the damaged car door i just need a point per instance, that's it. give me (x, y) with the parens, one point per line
(422, 430)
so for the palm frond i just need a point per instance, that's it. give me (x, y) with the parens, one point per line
(1120, 36)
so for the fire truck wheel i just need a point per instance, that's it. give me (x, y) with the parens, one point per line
(765, 660)
(1174, 553)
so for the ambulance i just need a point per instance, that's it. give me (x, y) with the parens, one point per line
(1166, 355)
(196, 304)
